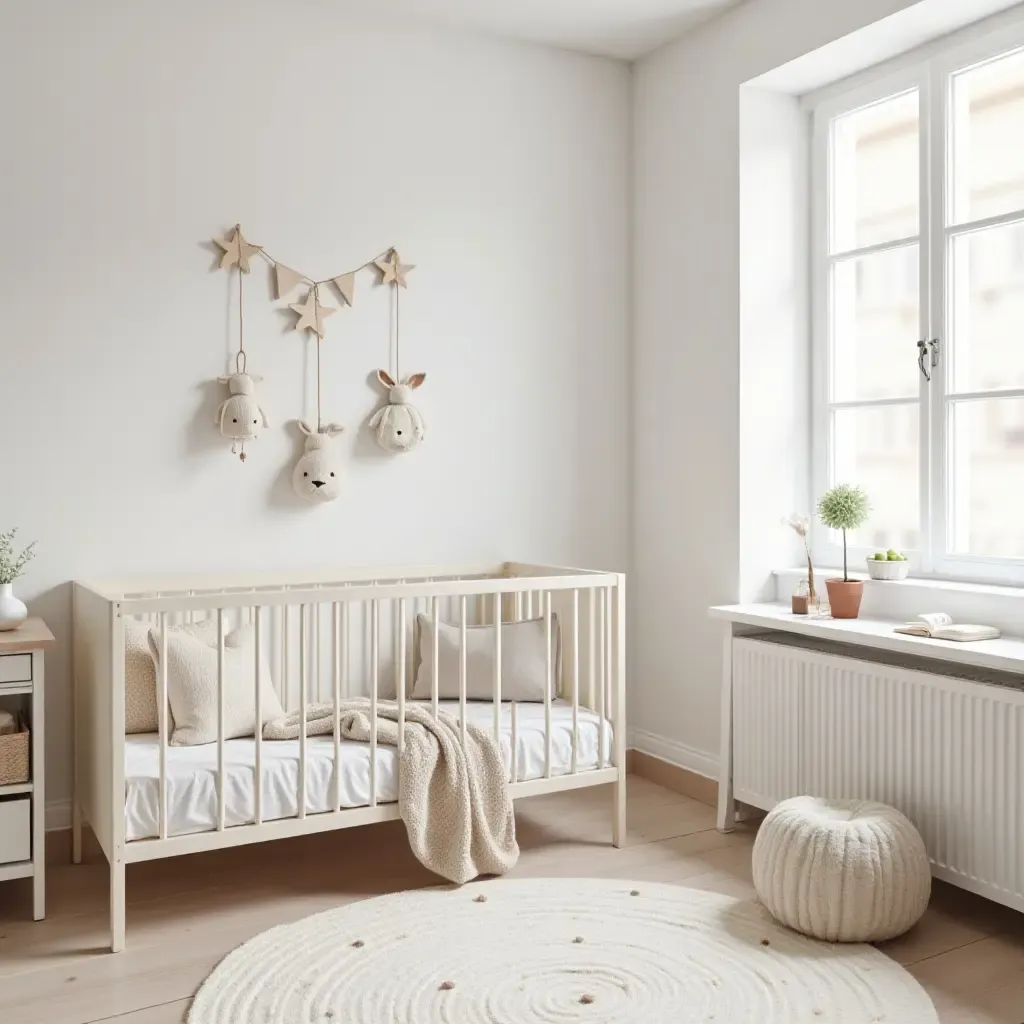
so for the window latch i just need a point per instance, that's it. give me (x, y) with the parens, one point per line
(922, 355)
(927, 350)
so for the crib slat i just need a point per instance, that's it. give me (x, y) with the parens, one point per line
(497, 669)
(549, 682)
(286, 660)
(303, 673)
(165, 725)
(575, 680)
(400, 675)
(609, 661)
(462, 671)
(220, 719)
(602, 668)
(435, 616)
(591, 648)
(315, 690)
(374, 688)
(336, 692)
(258, 764)
(514, 753)
(346, 618)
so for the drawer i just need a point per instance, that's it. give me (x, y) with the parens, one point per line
(15, 668)
(15, 830)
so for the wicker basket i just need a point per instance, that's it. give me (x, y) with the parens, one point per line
(14, 756)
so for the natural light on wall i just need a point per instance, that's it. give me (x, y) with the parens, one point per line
(919, 307)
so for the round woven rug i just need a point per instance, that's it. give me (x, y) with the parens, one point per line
(554, 950)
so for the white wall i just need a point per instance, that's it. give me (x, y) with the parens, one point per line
(687, 495)
(132, 132)
(775, 355)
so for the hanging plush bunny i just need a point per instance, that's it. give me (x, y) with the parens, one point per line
(240, 416)
(399, 424)
(317, 475)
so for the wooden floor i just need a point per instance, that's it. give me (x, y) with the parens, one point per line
(185, 914)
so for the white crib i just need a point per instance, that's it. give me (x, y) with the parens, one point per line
(329, 636)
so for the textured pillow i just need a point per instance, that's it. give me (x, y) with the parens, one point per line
(141, 713)
(523, 653)
(192, 685)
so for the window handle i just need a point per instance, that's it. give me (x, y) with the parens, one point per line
(922, 354)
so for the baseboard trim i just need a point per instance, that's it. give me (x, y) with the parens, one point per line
(58, 815)
(674, 753)
(674, 765)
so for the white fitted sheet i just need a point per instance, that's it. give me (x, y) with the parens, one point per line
(192, 771)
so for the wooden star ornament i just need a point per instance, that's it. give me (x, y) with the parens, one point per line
(237, 251)
(311, 314)
(393, 269)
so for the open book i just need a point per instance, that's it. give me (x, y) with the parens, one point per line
(940, 626)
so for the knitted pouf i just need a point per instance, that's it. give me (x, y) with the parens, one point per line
(841, 870)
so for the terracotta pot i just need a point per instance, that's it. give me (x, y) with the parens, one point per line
(844, 597)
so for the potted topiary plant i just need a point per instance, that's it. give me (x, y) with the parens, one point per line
(844, 508)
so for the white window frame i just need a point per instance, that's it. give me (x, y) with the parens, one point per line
(930, 71)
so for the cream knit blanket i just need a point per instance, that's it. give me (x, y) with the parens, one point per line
(455, 803)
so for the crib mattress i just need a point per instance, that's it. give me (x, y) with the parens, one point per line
(192, 771)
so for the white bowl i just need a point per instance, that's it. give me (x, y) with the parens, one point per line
(888, 570)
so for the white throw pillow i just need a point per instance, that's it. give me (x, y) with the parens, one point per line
(141, 713)
(523, 660)
(192, 685)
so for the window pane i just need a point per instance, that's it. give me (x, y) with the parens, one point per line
(988, 125)
(877, 448)
(987, 302)
(875, 182)
(987, 487)
(875, 326)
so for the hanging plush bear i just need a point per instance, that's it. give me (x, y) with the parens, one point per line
(399, 424)
(317, 475)
(240, 416)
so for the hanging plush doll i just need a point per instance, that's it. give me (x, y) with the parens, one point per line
(399, 424)
(317, 475)
(240, 416)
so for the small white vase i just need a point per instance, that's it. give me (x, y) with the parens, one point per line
(12, 611)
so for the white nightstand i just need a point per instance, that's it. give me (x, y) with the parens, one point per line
(23, 805)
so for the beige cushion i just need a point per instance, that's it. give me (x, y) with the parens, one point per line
(523, 660)
(192, 685)
(139, 679)
(140, 700)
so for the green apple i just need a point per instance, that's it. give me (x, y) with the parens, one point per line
(895, 556)
(879, 557)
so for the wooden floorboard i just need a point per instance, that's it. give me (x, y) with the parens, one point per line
(185, 914)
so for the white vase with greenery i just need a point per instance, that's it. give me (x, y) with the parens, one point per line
(12, 611)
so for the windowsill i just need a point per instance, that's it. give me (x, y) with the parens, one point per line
(986, 603)
(919, 582)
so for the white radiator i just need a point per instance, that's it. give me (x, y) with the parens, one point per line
(947, 752)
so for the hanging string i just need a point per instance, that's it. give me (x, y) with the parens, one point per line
(327, 280)
(316, 320)
(398, 366)
(241, 360)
